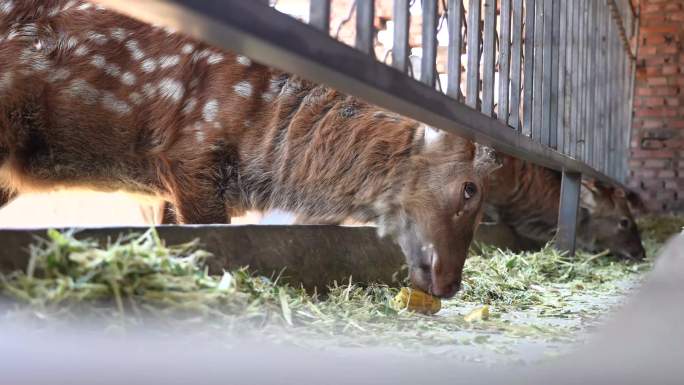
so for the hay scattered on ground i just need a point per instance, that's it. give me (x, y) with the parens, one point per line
(138, 280)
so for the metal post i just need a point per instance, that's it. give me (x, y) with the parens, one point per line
(568, 211)
(473, 81)
(319, 14)
(489, 27)
(365, 29)
(428, 65)
(455, 12)
(400, 46)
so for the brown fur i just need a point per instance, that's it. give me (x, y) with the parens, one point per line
(272, 140)
(525, 197)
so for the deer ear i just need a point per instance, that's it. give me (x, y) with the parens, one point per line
(591, 184)
(634, 202)
(486, 160)
(587, 199)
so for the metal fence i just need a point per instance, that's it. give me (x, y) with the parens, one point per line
(548, 81)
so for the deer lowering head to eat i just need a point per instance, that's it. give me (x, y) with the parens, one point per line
(90, 98)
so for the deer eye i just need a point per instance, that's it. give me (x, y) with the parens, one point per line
(469, 190)
(624, 223)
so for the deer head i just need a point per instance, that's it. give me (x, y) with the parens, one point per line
(439, 209)
(606, 221)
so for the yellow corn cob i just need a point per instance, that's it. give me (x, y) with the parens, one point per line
(416, 300)
(478, 314)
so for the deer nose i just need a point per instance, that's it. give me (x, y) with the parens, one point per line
(445, 291)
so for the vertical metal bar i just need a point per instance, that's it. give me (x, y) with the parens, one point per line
(400, 45)
(574, 123)
(562, 48)
(428, 66)
(567, 214)
(591, 87)
(319, 14)
(516, 64)
(487, 107)
(365, 28)
(554, 66)
(600, 87)
(528, 88)
(610, 76)
(538, 82)
(547, 77)
(582, 81)
(630, 122)
(504, 59)
(473, 73)
(455, 12)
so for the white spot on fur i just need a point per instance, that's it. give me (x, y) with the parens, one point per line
(187, 49)
(189, 106)
(113, 70)
(215, 58)
(6, 6)
(98, 61)
(128, 78)
(171, 89)
(169, 61)
(243, 60)
(70, 4)
(243, 88)
(81, 51)
(136, 98)
(112, 103)
(59, 75)
(97, 38)
(275, 84)
(53, 12)
(6, 81)
(118, 34)
(210, 110)
(72, 42)
(149, 65)
(134, 49)
(149, 90)
(84, 7)
(432, 135)
(82, 90)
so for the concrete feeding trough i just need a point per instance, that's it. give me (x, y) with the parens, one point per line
(311, 256)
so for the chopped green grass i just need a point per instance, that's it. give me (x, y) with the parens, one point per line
(138, 280)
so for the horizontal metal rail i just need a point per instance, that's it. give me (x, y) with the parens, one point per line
(269, 36)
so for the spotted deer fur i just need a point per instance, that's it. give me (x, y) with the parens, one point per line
(525, 197)
(90, 98)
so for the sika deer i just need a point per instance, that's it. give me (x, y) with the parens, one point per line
(90, 98)
(525, 197)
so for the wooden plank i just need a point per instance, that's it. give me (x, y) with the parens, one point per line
(516, 65)
(538, 81)
(473, 48)
(582, 91)
(365, 28)
(428, 66)
(455, 11)
(601, 69)
(528, 88)
(319, 14)
(400, 45)
(504, 59)
(488, 58)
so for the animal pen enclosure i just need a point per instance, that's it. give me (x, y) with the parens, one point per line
(549, 81)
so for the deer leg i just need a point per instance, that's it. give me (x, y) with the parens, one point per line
(6, 196)
(168, 214)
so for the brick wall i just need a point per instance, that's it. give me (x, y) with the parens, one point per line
(657, 154)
